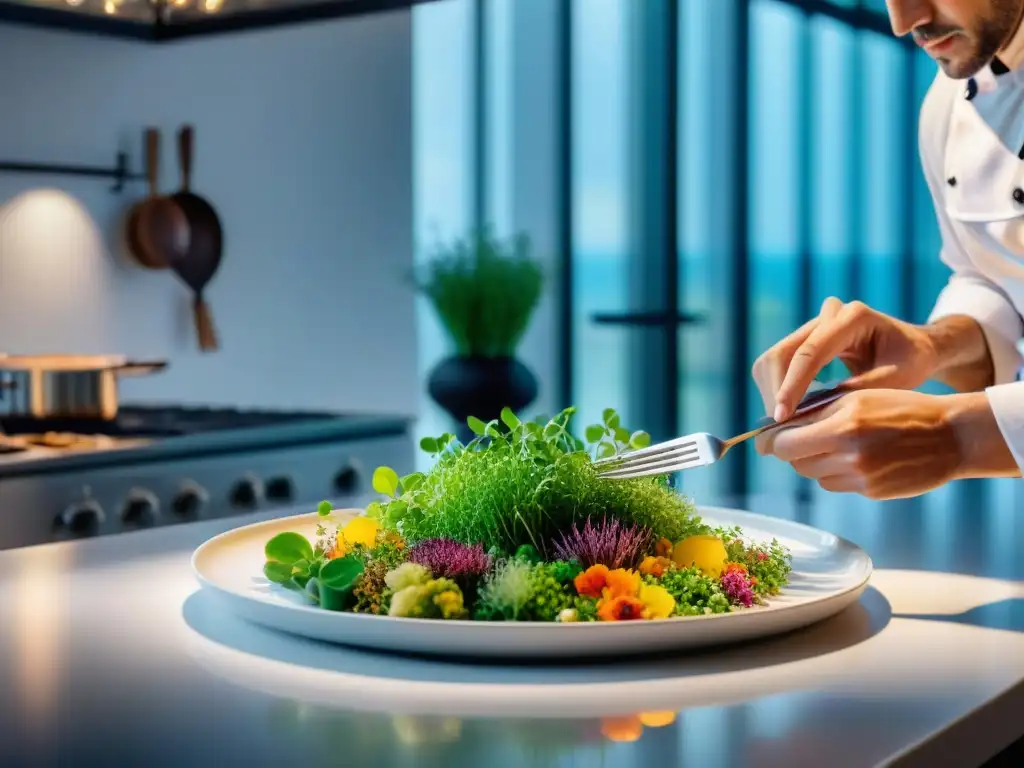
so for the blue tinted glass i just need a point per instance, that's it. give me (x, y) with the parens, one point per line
(883, 133)
(777, 32)
(705, 224)
(599, 188)
(498, 121)
(442, 163)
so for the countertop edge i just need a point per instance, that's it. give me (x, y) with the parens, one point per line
(973, 739)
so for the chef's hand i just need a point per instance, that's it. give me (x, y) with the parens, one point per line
(879, 350)
(886, 444)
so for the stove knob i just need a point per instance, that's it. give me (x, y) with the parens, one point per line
(348, 480)
(83, 518)
(140, 509)
(246, 493)
(190, 501)
(280, 489)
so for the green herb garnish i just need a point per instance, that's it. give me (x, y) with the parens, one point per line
(523, 483)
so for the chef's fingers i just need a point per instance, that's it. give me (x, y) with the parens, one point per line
(848, 483)
(770, 368)
(765, 442)
(829, 338)
(826, 465)
(812, 438)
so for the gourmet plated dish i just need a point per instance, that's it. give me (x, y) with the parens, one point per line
(516, 525)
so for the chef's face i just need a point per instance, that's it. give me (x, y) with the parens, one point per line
(961, 35)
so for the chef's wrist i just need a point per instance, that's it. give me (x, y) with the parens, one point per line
(981, 448)
(959, 353)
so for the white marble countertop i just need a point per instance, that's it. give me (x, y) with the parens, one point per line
(110, 655)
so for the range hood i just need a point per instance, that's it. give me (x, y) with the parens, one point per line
(166, 20)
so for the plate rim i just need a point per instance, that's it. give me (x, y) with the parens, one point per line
(581, 626)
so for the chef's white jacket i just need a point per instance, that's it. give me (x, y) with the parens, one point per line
(972, 150)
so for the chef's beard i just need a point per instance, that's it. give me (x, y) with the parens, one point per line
(988, 35)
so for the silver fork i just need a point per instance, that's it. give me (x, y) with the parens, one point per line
(701, 448)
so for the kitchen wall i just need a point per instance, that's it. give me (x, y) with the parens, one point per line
(304, 145)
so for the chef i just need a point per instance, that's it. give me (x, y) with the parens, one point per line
(884, 440)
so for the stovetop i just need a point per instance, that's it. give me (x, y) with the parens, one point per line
(146, 421)
(148, 433)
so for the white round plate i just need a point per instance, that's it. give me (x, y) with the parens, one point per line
(829, 574)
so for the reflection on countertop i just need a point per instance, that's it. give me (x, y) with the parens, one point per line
(109, 654)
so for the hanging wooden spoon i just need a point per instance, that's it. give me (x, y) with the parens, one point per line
(158, 229)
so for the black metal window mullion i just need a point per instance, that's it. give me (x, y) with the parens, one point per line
(566, 326)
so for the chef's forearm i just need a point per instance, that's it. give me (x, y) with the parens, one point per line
(962, 354)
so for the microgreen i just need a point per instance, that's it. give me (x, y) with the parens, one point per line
(517, 525)
(525, 482)
(610, 438)
(323, 510)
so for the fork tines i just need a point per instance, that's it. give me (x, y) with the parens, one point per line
(661, 459)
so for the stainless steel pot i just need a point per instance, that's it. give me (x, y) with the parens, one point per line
(66, 386)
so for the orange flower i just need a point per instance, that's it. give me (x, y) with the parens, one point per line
(621, 583)
(730, 567)
(663, 548)
(655, 566)
(622, 608)
(592, 581)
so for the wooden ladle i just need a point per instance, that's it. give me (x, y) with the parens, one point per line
(158, 229)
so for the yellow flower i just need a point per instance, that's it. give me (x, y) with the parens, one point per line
(658, 603)
(359, 530)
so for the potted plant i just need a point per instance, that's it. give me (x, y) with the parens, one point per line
(485, 291)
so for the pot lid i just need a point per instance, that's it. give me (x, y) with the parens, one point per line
(61, 362)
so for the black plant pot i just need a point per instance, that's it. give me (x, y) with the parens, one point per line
(481, 387)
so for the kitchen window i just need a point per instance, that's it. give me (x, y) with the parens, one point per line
(702, 172)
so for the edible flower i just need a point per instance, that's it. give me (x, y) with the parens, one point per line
(406, 575)
(658, 603)
(655, 566)
(663, 548)
(592, 581)
(436, 599)
(450, 559)
(621, 583)
(623, 608)
(610, 542)
(359, 531)
(737, 584)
